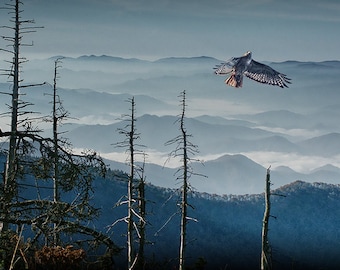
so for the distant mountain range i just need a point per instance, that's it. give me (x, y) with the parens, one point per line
(239, 132)
(232, 174)
(217, 138)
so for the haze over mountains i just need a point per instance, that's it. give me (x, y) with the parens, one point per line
(239, 132)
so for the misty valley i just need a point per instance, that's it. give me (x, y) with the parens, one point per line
(239, 133)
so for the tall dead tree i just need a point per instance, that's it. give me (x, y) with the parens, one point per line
(184, 150)
(9, 188)
(130, 239)
(69, 172)
(135, 193)
(266, 256)
(55, 148)
(184, 202)
(56, 118)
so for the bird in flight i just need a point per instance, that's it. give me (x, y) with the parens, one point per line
(245, 65)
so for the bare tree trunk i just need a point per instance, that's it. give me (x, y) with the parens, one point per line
(130, 238)
(135, 202)
(266, 262)
(184, 202)
(142, 219)
(130, 225)
(183, 149)
(9, 188)
(55, 151)
(10, 171)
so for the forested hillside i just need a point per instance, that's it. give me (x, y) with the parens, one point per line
(227, 233)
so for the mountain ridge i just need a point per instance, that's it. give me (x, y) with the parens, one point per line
(228, 228)
(171, 58)
(231, 175)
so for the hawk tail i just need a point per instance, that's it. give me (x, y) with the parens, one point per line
(235, 80)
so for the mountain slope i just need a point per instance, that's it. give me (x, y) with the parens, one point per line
(156, 130)
(325, 145)
(231, 174)
(228, 231)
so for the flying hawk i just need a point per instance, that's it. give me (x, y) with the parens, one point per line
(244, 65)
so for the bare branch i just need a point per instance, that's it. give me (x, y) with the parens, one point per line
(166, 223)
(114, 223)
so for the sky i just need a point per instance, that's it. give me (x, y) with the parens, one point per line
(274, 30)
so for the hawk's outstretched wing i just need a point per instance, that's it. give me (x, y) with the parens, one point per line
(226, 67)
(222, 69)
(265, 74)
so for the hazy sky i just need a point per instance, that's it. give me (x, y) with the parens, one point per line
(274, 30)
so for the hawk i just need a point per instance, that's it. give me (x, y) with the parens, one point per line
(245, 65)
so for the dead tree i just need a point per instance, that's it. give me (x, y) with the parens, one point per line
(9, 187)
(184, 150)
(266, 256)
(135, 193)
(56, 119)
(69, 172)
(184, 202)
(131, 200)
